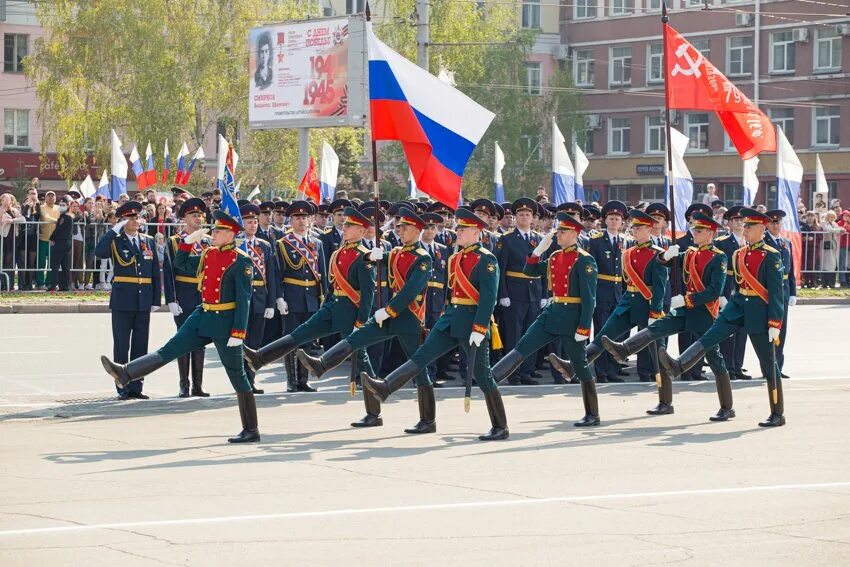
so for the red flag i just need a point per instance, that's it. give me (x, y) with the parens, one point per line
(309, 185)
(693, 83)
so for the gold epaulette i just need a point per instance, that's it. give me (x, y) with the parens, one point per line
(769, 248)
(597, 235)
(422, 252)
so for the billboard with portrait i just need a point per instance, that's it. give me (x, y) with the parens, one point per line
(308, 74)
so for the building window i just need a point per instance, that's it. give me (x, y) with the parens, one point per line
(654, 62)
(655, 135)
(584, 68)
(355, 6)
(784, 117)
(16, 128)
(694, 3)
(652, 193)
(533, 79)
(825, 126)
(782, 52)
(619, 135)
(530, 14)
(534, 146)
(586, 142)
(697, 128)
(728, 146)
(827, 50)
(653, 5)
(618, 193)
(621, 66)
(622, 7)
(740, 56)
(14, 51)
(733, 194)
(584, 9)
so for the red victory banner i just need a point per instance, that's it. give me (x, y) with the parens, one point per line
(309, 185)
(693, 83)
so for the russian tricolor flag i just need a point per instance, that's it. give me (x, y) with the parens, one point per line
(751, 181)
(789, 176)
(328, 172)
(118, 164)
(136, 164)
(181, 163)
(103, 186)
(437, 125)
(582, 163)
(165, 164)
(188, 173)
(563, 174)
(150, 170)
(683, 181)
(498, 185)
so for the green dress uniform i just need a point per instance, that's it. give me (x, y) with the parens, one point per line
(756, 306)
(473, 286)
(225, 275)
(704, 277)
(409, 270)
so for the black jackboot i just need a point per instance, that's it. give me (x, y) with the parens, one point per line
(291, 379)
(269, 353)
(248, 412)
(507, 365)
(566, 368)
(328, 361)
(498, 419)
(633, 344)
(395, 381)
(373, 411)
(777, 408)
(591, 405)
(665, 395)
(678, 366)
(724, 393)
(198, 373)
(303, 375)
(183, 370)
(427, 411)
(136, 369)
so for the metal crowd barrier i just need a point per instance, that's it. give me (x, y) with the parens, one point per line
(26, 261)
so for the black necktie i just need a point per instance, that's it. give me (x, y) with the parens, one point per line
(135, 246)
(526, 237)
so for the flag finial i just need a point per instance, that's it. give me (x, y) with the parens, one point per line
(368, 13)
(664, 18)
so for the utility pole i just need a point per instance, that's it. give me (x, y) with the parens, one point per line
(423, 33)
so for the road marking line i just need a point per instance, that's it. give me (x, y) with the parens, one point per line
(422, 507)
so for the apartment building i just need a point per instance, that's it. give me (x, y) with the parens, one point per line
(791, 57)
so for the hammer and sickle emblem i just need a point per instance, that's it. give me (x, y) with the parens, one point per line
(693, 66)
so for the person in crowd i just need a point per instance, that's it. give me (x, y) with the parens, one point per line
(48, 215)
(829, 248)
(28, 240)
(61, 248)
(10, 217)
(844, 248)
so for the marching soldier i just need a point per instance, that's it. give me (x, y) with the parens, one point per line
(301, 263)
(641, 305)
(380, 353)
(352, 281)
(435, 300)
(225, 280)
(789, 282)
(606, 248)
(445, 235)
(733, 348)
(264, 229)
(473, 286)
(756, 306)
(264, 282)
(590, 214)
(484, 209)
(704, 267)
(508, 221)
(182, 294)
(278, 226)
(571, 276)
(136, 290)
(409, 271)
(520, 294)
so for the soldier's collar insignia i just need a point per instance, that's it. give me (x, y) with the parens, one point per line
(227, 247)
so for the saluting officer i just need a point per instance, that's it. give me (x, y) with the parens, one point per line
(521, 295)
(303, 284)
(606, 248)
(182, 294)
(136, 290)
(473, 286)
(757, 306)
(774, 237)
(570, 273)
(694, 310)
(641, 305)
(264, 283)
(352, 281)
(408, 271)
(225, 280)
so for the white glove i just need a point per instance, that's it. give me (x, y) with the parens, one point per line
(175, 308)
(792, 301)
(119, 225)
(154, 308)
(773, 334)
(387, 225)
(381, 315)
(376, 253)
(476, 339)
(722, 301)
(581, 338)
(505, 302)
(544, 245)
(196, 236)
(677, 301)
(282, 306)
(268, 313)
(670, 252)
(651, 322)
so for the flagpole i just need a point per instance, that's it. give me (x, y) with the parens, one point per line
(670, 184)
(376, 194)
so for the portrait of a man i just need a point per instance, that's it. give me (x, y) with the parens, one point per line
(263, 73)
